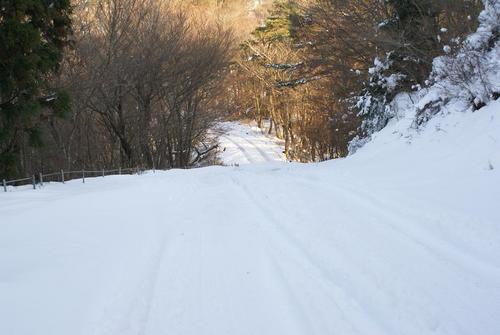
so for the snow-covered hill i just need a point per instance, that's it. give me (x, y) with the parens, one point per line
(401, 238)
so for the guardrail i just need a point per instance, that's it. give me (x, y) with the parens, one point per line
(63, 176)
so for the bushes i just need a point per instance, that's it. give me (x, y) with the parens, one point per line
(470, 75)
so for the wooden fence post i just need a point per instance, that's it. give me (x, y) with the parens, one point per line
(4, 186)
(41, 178)
(120, 170)
(33, 181)
(103, 173)
(62, 176)
(83, 175)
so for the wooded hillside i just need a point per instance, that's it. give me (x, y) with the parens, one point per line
(126, 83)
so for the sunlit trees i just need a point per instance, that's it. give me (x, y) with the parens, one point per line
(326, 71)
(142, 77)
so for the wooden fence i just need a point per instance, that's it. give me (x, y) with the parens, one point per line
(63, 176)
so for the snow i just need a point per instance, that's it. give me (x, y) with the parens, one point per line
(402, 237)
(473, 72)
(246, 143)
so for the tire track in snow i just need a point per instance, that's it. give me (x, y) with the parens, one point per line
(261, 152)
(441, 249)
(306, 323)
(242, 149)
(315, 271)
(151, 285)
(388, 215)
(134, 318)
(249, 144)
(393, 214)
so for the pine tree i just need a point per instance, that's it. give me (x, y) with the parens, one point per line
(33, 34)
(373, 104)
(280, 25)
(407, 49)
(413, 30)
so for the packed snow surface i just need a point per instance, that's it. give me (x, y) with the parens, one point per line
(401, 238)
(245, 144)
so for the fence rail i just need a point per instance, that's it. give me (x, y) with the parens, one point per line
(63, 176)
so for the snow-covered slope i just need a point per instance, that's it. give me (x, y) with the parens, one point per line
(401, 238)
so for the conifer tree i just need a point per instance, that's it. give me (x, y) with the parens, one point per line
(33, 34)
(413, 41)
(408, 44)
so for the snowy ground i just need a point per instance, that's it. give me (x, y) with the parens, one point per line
(246, 144)
(401, 238)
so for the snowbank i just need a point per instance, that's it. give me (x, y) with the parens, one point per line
(468, 78)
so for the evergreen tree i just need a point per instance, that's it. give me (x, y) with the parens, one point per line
(33, 34)
(413, 38)
(373, 104)
(280, 25)
(408, 46)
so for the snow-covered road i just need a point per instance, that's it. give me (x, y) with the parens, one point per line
(363, 245)
(246, 144)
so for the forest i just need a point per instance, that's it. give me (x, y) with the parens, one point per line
(141, 83)
(250, 167)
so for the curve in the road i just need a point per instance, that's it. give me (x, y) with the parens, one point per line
(242, 149)
(261, 152)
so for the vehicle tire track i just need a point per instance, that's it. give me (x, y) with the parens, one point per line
(322, 277)
(261, 152)
(242, 149)
(151, 284)
(134, 319)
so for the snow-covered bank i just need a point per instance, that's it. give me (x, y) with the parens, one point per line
(401, 238)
